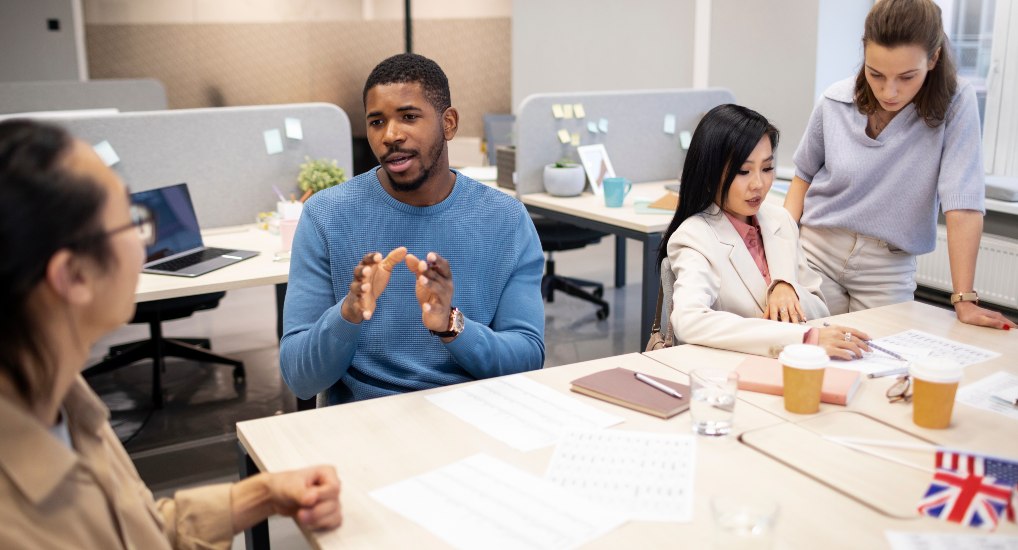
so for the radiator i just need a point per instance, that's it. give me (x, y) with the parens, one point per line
(996, 269)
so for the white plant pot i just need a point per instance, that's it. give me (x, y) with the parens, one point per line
(564, 182)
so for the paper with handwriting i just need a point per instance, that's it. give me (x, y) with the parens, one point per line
(913, 345)
(524, 414)
(646, 476)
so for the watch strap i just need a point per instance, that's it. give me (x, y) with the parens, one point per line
(455, 325)
(964, 297)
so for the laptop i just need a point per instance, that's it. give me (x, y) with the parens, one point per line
(178, 248)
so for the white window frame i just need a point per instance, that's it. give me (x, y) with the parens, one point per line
(1000, 134)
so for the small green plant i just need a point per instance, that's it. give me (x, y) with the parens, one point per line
(319, 174)
(564, 163)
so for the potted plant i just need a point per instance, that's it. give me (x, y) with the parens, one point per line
(564, 178)
(318, 174)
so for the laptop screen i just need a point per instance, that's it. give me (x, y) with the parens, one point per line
(176, 223)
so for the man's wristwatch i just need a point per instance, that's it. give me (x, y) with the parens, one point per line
(964, 297)
(455, 325)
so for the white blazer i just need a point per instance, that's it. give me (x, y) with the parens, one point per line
(720, 294)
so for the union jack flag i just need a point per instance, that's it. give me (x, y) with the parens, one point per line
(972, 489)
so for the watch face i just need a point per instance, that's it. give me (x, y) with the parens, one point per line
(457, 321)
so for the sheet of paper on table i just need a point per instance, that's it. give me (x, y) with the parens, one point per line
(520, 412)
(980, 394)
(916, 344)
(646, 476)
(901, 540)
(482, 502)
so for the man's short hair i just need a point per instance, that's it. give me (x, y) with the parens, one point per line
(410, 67)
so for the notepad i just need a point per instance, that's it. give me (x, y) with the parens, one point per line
(763, 375)
(620, 386)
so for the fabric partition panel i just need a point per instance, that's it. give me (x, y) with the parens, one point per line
(638, 141)
(221, 153)
(144, 94)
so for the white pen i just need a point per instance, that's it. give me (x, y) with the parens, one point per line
(891, 372)
(657, 385)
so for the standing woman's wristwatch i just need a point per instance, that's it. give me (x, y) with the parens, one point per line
(964, 297)
(456, 323)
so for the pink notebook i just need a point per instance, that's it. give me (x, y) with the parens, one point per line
(763, 375)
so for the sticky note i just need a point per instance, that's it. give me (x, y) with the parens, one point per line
(592, 127)
(556, 110)
(684, 138)
(603, 125)
(106, 153)
(578, 110)
(575, 139)
(670, 124)
(293, 128)
(273, 141)
(567, 111)
(563, 136)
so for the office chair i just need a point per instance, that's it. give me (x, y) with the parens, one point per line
(557, 236)
(158, 347)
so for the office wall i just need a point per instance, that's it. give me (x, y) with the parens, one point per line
(595, 45)
(54, 53)
(244, 52)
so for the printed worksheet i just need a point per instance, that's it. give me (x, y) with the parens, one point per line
(901, 540)
(646, 476)
(985, 393)
(913, 345)
(482, 502)
(524, 414)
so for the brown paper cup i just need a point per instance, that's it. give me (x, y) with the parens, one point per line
(933, 403)
(802, 389)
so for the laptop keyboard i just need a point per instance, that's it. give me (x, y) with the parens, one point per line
(182, 262)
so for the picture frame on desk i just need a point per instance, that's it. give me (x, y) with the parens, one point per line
(597, 165)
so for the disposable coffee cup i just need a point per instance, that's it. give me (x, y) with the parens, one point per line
(802, 371)
(934, 384)
(287, 229)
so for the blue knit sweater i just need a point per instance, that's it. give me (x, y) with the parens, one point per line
(496, 262)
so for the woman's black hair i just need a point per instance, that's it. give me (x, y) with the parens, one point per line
(722, 141)
(43, 208)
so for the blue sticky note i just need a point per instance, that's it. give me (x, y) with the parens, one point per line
(293, 128)
(273, 141)
(603, 125)
(106, 153)
(670, 124)
(592, 127)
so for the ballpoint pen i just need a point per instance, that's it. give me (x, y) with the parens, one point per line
(878, 348)
(890, 372)
(657, 385)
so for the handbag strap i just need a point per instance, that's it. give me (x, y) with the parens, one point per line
(656, 326)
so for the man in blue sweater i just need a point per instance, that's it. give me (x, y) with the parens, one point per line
(457, 295)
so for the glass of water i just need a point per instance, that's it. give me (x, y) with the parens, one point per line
(713, 402)
(743, 522)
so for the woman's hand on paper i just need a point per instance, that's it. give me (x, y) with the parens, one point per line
(843, 342)
(370, 278)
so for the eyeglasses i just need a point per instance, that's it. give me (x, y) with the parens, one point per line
(901, 390)
(142, 220)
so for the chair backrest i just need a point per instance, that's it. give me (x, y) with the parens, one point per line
(667, 291)
(498, 130)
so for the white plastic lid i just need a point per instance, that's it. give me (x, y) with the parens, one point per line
(936, 369)
(804, 356)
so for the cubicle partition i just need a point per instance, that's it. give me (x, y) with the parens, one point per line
(143, 94)
(641, 130)
(221, 153)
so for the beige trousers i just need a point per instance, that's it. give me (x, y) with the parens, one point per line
(858, 272)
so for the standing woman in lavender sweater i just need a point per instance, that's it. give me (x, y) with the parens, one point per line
(881, 153)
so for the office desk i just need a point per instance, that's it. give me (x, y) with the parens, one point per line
(968, 425)
(589, 211)
(378, 442)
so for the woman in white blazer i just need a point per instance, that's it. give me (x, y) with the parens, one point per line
(741, 278)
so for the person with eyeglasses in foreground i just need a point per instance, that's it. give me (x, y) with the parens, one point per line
(70, 257)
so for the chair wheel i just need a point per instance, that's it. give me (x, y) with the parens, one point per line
(239, 380)
(602, 313)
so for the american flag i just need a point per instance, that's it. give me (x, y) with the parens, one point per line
(972, 489)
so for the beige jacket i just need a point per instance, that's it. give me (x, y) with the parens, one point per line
(719, 293)
(92, 497)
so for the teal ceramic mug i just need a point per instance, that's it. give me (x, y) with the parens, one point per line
(615, 191)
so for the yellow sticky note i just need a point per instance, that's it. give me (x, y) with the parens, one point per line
(576, 139)
(567, 111)
(556, 110)
(578, 110)
(563, 135)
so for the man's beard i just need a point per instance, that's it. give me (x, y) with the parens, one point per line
(427, 170)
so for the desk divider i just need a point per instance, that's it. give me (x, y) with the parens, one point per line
(220, 153)
(142, 94)
(638, 146)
